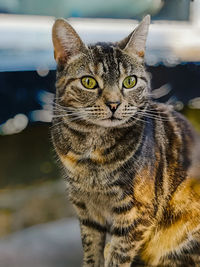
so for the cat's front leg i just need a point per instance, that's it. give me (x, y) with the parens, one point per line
(121, 252)
(93, 240)
(125, 243)
(93, 234)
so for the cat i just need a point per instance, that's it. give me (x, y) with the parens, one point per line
(131, 164)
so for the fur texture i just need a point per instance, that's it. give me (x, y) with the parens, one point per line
(131, 165)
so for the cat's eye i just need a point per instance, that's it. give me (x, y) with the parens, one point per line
(89, 82)
(129, 82)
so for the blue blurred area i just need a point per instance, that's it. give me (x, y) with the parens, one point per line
(19, 92)
(14, 60)
(159, 9)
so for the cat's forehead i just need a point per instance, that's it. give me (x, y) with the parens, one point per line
(107, 61)
(111, 60)
(110, 54)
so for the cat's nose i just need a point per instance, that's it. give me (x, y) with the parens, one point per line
(113, 105)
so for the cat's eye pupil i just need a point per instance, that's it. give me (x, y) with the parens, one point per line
(129, 82)
(89, 82)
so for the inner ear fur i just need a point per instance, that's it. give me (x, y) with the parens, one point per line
(135, 43)
(66, 41)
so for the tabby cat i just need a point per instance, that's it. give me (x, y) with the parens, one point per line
(131, 164)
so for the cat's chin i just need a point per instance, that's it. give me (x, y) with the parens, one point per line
(110, 123)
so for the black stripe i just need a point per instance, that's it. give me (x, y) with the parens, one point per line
(104, 67)
(123, 231)
(90, 261)
(144, 78)
(159, 176)
(137, 235)
(62, 90)
(121, 259)
(124, 208)
(185, 154)
(175, 160)
(78, 134)
(118, 67)
(124, 259)
(158, 186)
(78, 204)
(94, 225)
(169, 217)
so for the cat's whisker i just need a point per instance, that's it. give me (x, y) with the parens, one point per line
(94, 108)
(67, 115)
(157, 117)
(64, 107)
(77, 118)
(69, 111)
(55, 105)
(75, 98)
(59, 111)
(57, 124)
(154, 111)
(58, 106)
(134, 119)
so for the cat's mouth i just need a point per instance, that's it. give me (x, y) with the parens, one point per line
(112, 118)
(110, 122)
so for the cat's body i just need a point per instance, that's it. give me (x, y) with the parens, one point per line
(131, 164)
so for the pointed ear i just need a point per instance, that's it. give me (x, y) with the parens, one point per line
(66, 41)
(135, 43)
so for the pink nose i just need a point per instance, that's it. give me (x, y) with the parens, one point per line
(113, 105)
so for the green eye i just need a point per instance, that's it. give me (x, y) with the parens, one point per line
(89, 82)
(129, 82)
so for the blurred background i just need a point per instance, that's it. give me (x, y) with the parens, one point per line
(37, 224)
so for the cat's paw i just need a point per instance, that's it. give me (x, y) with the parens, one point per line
(117, 264)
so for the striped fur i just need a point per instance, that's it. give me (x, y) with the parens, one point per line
(134, 177)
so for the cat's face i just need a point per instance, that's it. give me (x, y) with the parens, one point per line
(104, 84)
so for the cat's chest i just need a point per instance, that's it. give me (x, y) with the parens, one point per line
(92, 163)
(75, 162)
(97, 154)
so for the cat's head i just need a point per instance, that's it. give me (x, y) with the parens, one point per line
(104, 84)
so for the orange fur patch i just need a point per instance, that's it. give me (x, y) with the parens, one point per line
(162, 240)
(61, 81)
(140, 53)
(70, 160)
(96, 156)
(143, 187)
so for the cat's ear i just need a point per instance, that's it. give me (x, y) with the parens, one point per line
(66, 41)
(135, 43)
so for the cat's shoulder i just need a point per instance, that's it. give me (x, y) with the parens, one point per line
(168, 110)
(170, 116)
